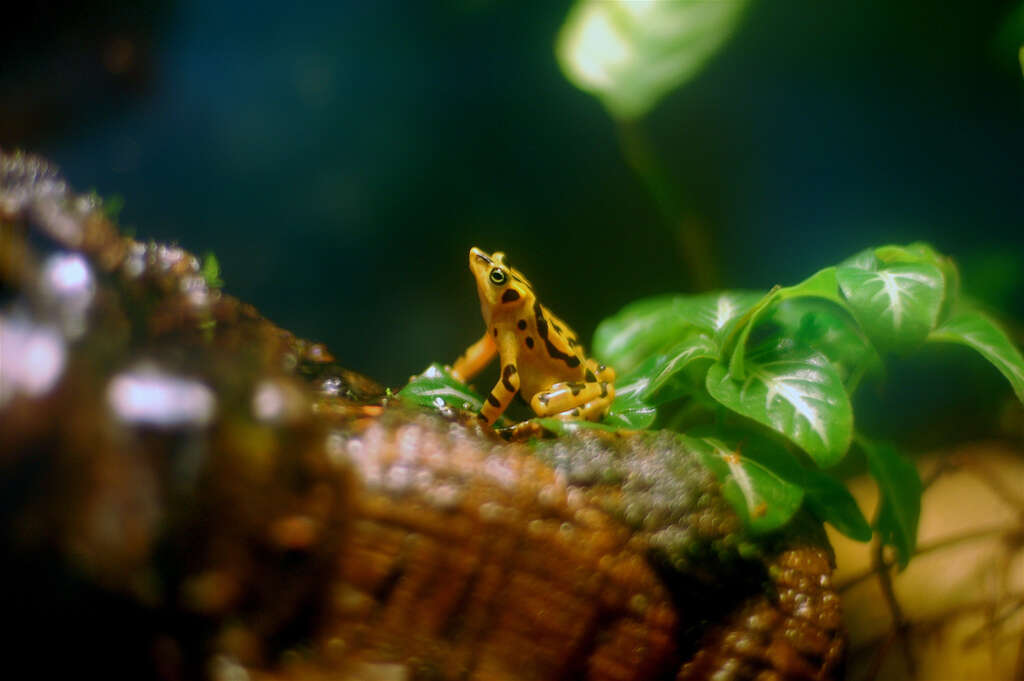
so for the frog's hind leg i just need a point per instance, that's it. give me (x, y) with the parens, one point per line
(574, 400)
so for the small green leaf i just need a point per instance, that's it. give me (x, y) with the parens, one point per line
(897, 306)
(900, 491)
(763, 499)
(436, 388)
(211, 271)
(974, 329)
(796, 392)
(630, 54)
(647, 327)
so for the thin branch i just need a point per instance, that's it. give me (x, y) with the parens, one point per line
(995, 621)
(933, 620)
(996, 484)
(952, 540)
(692, 237)
(900, 627)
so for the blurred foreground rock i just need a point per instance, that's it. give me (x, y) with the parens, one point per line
(191, 492)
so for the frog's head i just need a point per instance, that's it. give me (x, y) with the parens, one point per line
(501, 287)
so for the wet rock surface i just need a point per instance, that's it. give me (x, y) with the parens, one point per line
(189, 491)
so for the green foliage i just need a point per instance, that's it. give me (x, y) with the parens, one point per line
(630, 54)
(776, 373)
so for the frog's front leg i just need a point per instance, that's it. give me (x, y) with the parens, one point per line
(475, 358)
(502, 393)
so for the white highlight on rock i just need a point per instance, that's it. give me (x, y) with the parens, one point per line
(31, 358)
(151, 397)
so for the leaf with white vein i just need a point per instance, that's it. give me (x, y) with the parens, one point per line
(762, 498)
(796, 392)
(897, 306)
(975, 330)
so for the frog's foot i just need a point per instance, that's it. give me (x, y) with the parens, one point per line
(585, 400)
(522, 431)
(599, 372)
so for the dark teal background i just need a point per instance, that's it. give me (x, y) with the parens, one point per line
(340, 160)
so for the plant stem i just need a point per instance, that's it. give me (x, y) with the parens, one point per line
(689, 231)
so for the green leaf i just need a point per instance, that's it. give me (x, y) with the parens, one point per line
(794, 391)
(628, 409)
(974, 329)
(436, 388)
(763, 499)
(826, 497)
(921, 252)
(629, 54)
(831, 502)
(897, 306)
(821, 284)
(650, 326)
(863, 260)
(900, 491)
(826, 328)
(667, 375)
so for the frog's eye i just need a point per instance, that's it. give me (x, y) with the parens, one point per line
(498, 277)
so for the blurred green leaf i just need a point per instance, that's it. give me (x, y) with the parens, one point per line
(211, 270)
(900, 491)
(112, 207)
(763, 499)
(976, 330)
(1008, 42)
(897, 306)
(629, 53)
(436, 388)
(666, 375)
(650, 326)
(794, 391)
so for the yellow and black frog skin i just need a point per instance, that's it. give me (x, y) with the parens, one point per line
(541, 357)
